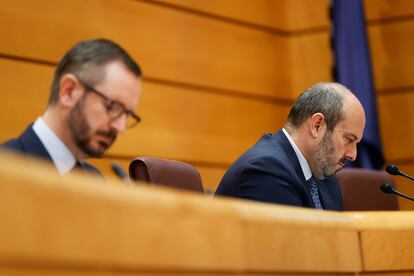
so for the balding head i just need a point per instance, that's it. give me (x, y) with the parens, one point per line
(327, 98)
(352, 107)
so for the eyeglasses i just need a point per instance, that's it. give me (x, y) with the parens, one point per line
(114, 109)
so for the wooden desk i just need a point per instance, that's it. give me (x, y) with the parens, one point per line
(80, 225)
(387, 240)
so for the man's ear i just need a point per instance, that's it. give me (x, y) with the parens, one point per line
(70, 90)
(317, 125)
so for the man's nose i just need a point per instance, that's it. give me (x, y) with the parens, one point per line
(351, 153)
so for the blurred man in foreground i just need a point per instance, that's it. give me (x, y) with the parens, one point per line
(95, 90)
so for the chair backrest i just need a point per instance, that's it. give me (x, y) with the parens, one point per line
(361, 190)
(165, 172)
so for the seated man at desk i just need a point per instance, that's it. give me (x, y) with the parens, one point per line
(297, 165)
(95, 90)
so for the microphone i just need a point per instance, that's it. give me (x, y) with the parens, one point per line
(117, 169)
(389, 189)
(394, 170)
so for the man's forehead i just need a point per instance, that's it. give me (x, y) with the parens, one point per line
(352, 136)
(350, 130)
(121, 84)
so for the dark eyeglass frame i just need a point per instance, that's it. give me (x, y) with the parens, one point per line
(110, 103)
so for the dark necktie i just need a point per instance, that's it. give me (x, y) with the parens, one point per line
(314, 191)
(78, 166)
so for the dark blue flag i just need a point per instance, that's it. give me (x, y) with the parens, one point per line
(353, 69)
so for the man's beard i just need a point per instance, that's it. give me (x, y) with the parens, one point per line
(324, 159)
(81, 132)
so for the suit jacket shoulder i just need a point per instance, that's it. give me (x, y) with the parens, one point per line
(29, 143)
(271, 172)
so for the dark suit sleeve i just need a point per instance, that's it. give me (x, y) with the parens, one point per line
(262, 186)
(12, 145)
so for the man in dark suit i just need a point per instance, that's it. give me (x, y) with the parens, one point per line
(297, 165)
(95, 90)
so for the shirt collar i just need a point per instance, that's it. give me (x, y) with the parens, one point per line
(61, 156)
(307, 173)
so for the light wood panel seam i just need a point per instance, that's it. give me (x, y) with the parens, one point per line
(27, 59)
(401, 161)
(361, 251)
(395, 90)
(222, 92)
(272, 30)
(369, 23)
(238, 22)
(193, 87)
(390, 20)
(242, 23)
(310, 31)
(156, 271)
(24, 265)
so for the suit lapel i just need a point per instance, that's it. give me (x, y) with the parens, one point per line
(32, 144)
(324, 186)
(290, 153)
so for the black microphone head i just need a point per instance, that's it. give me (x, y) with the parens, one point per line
(387, 188)
(392, 169)
(117, 169)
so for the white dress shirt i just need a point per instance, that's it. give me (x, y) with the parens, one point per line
(303, 163)
(61, 156)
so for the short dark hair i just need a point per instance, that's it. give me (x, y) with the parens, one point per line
(322, 97)
(86, 60)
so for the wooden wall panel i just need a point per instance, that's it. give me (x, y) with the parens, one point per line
(397, 125)
(25, 95)
(307, 15)
(392, 56)
(383, 9)
(178, 123)
(177, 46)
(311, 60)
(397, 132)
(211, 176)
(286, 15)
(404, 185)
(391, 24)
(192, 125)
